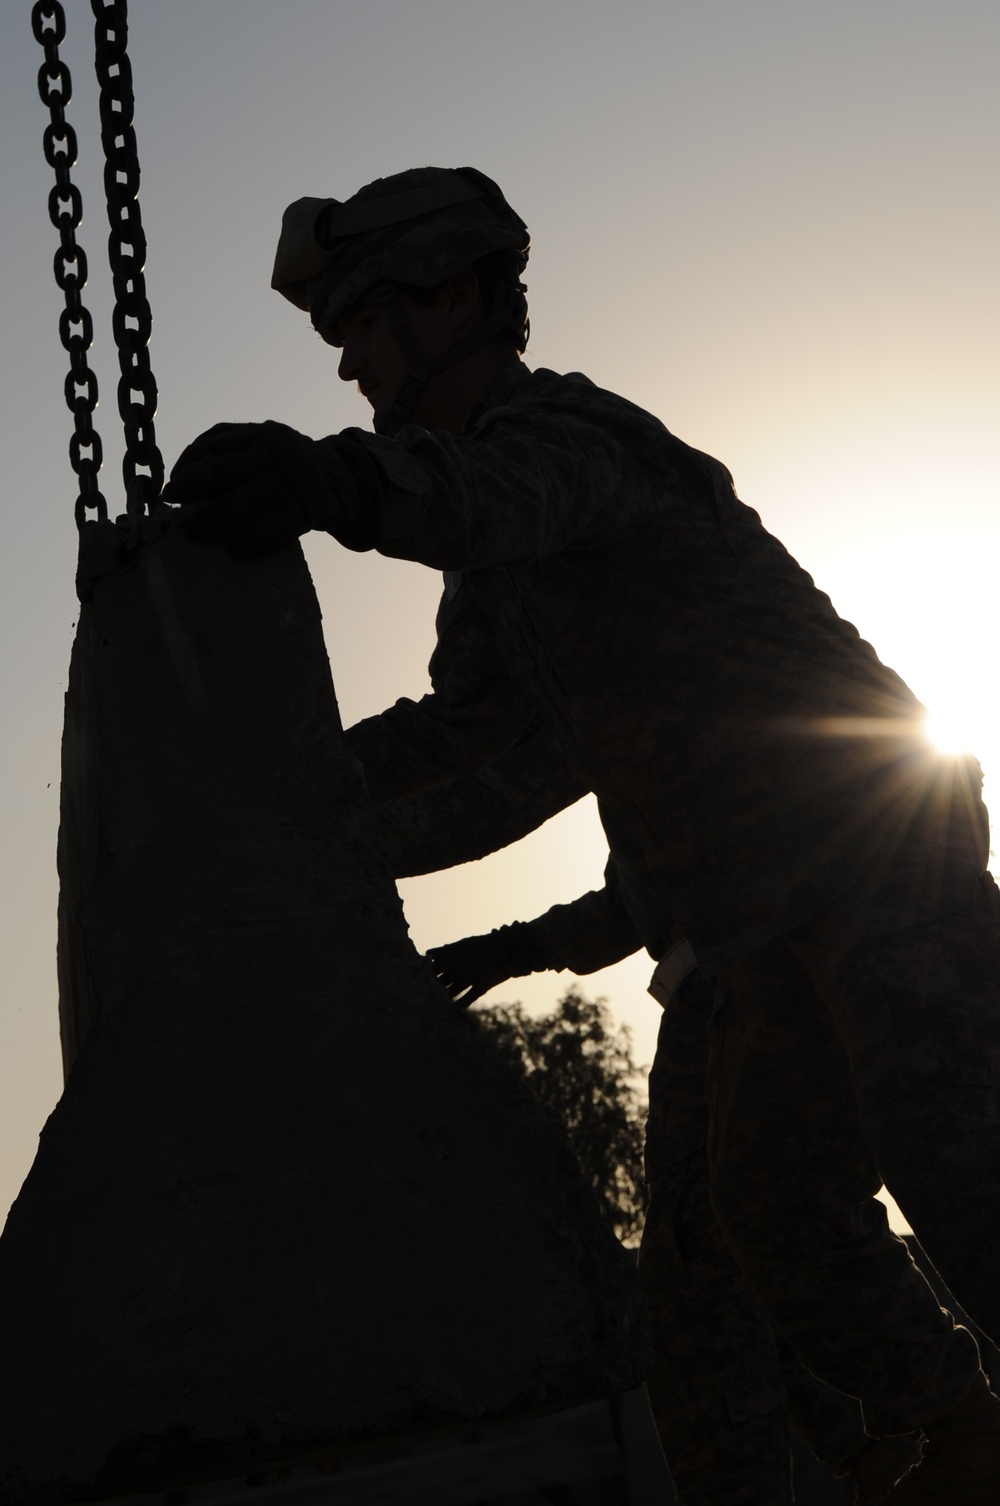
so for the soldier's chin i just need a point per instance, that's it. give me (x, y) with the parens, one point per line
(375, 401)
(379, 415)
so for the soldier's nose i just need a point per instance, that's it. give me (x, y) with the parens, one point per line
(347, 367)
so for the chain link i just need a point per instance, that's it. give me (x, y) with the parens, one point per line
(142, 466)
(76, 329)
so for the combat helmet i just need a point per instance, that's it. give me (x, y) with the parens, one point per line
(415, 228)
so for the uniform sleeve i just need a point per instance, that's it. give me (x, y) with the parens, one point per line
(525, 485)
(468, 818)
(419, 745)
(592, 932)
(475, 712)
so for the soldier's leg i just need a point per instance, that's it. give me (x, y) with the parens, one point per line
(830, 1425)
(920, 1013)
(716, 1388)
(794, 1183)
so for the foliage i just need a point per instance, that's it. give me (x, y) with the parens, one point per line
(581, 1070)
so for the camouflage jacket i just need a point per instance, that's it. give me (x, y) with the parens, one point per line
(751, 754)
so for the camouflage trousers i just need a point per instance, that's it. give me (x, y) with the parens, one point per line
(724, 1389)
(861, 1048)
(864, 1048)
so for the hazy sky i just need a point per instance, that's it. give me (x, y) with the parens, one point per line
(775, 223)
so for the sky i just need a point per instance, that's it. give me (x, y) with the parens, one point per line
(773, 223)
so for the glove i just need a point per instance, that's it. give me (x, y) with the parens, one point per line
(254, 487)
(469, 968)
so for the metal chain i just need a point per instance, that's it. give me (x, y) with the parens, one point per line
(76, 328)
(142, 466)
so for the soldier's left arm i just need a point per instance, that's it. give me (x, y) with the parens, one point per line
(526, 484)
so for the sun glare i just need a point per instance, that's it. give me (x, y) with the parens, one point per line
(949, 730)
(964, 723)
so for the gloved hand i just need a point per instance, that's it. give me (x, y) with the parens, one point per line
(254, 487)
(469, 968)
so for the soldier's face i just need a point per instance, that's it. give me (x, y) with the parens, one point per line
(372, 356)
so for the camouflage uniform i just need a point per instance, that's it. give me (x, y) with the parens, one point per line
(747, 747)
(886, 1015)
(724, 1392)
(756, 767)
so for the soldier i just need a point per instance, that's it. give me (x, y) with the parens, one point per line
(762, 777)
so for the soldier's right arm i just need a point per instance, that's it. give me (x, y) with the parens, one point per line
(477, 711)
(470, 817)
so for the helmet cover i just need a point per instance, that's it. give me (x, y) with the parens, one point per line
(418, 227)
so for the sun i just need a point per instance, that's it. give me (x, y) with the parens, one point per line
(950, 729)
(960, 718)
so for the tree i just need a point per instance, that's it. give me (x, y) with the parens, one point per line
(582, 1072)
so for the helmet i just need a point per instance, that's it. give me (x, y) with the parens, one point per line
(418, 228)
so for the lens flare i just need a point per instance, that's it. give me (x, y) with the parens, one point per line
(950, 730)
